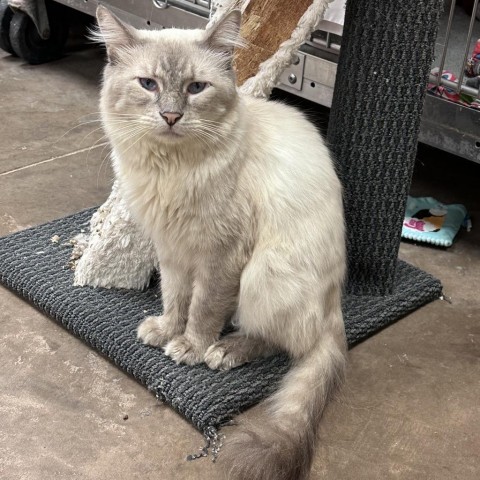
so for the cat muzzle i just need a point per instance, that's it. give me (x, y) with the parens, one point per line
(171, 118)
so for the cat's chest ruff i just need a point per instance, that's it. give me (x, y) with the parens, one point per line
(170, 200)
(163, 192)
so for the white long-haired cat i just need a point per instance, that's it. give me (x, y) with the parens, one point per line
(242, 203)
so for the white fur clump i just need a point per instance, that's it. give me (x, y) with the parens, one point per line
(119, 254)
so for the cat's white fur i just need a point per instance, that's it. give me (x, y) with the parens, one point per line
(247, 221)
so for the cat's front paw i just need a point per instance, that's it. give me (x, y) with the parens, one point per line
(157, 331)
(225, 355)
(182, 350)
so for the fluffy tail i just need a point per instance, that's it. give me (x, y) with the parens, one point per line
(281, 447)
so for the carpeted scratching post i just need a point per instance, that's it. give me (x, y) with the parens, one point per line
(387, 51)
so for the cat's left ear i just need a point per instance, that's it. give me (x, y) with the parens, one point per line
(224, 36)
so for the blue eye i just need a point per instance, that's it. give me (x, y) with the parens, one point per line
(197, 87)
(148, 84)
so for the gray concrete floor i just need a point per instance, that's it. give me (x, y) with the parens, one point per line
(410, 406)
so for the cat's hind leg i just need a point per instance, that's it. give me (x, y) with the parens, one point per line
(236, 349)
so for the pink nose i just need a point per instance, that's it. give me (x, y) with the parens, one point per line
(171, 117)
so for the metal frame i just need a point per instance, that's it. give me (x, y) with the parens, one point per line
(451, 127)
(151, 13)
(447, 125)
(313, 80)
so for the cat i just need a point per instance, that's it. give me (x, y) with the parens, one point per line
(240, 198)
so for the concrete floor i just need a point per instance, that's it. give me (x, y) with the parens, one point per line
(410, 407)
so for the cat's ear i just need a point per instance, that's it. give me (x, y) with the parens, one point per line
(224, 36)
(114, 33)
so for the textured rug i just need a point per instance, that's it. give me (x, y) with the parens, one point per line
(36, 268)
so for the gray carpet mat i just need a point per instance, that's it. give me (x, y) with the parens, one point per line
(35, 268)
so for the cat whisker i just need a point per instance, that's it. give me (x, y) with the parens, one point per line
(122, 129)
(73, 128)
(129, 133)
(203, 141)
(206, 120)
(207, 142)
(102, 162)
(126, 133)
(214, 127)
(116, 121)
(95, 145)
(214, 137)
(91, 133)
(115, 114)
(134, 143)
(211, 124)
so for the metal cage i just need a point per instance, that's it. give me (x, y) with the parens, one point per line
(451, 119)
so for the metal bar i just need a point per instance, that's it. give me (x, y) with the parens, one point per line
(451, 127)
(447, 38)
(197, 8)
(467, 45)
(454, 85)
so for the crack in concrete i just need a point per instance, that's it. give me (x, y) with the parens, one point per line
(51, 159)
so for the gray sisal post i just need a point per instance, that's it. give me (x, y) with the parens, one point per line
(387, 50)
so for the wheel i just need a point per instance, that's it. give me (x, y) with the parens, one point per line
(6, 15)
(27, 43)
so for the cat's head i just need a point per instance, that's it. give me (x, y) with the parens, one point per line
(173, 85)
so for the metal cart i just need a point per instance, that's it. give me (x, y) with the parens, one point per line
(451, 126)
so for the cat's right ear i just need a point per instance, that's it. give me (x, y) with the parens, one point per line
(224, 36)
(116, 35)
